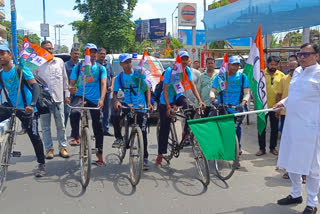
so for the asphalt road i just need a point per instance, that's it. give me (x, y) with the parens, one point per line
(254, 188)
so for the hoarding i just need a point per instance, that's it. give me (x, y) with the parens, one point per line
(150, 29)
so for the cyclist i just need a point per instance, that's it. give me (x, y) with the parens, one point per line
(169, 102)
(236, 94)
(95, 91)
(124, 82)
(10, 80)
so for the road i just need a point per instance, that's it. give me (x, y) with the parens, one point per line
(254, 188)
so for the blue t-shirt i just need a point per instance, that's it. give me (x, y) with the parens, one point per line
(92, 92)
(11, 82)
(232, 94)
(129, 97)
(168, 80)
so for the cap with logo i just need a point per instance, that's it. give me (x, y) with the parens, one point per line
(124, 57)
(90, 46)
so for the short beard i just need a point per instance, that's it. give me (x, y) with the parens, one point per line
(272, 70)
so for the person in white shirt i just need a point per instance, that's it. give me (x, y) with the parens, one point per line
(55, 76)
(300, 141)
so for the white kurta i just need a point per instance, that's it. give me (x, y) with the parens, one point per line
(300, 141)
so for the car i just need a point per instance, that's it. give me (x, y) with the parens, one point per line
(167, 62)
(113, 59)
(64, 56)
(219, 61)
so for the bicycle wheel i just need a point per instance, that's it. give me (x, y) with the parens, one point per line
(85, 157)
(125, 134)
(136, 155)
(201, 162)
(172, 142)
(225, 169)
(5, 155)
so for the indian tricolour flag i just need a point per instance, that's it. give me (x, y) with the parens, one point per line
(254, 70)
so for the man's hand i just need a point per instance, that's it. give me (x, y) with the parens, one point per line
(100, 104)
(150, 107)
(109, 89)
(240, 108)
(67, 100)
(117, 105)
(29, 110)
(73, 90)
(169, 109)
(212, 99)
(279, 106)
(202, 105)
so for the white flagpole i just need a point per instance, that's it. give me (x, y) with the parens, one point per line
(256, 112)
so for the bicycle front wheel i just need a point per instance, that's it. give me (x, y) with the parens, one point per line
(225, 169)
(201, 162)
(5, 155)
(85, 157)
(125, 134)
(136, 155)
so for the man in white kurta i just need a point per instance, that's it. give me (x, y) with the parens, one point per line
(300, 141)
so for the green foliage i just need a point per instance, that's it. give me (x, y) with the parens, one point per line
(274, 41)
(145, 45)
(175, 44)
(107, 24)
(64, 49)
(224, 2)
(217, 45)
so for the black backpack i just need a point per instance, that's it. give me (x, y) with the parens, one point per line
(157, 91)
(44, 100)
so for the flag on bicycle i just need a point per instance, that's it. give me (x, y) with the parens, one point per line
(254, 69)
(223, 74)
(146, 74)
(86, 68)
(33, 56)
(216, 136)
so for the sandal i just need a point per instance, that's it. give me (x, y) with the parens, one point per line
(99, 163)
(285, 176)
(304, 179)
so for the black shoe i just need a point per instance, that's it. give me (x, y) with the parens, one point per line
(107, 134)
(310, 210)
(290, 200)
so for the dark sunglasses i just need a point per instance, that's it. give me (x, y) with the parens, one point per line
(305, 54)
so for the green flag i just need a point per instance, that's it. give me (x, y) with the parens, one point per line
(216, 136)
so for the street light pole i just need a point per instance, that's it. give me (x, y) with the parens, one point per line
(57, 26)
(172, 18)
(44, 15)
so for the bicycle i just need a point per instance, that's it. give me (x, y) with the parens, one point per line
(7, 144)
(225, 169)
(174, 146)
(85, 145)
(132, 141)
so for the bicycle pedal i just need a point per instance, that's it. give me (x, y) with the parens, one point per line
(94, 151)
(16, 154)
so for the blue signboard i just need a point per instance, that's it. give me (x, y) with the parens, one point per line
(151, 29)
(185, 37)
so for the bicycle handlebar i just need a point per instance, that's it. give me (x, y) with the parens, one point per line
(134, 108)
(80, 107)
(13, 108)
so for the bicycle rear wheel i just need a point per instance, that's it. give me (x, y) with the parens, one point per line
(201, 162)
(85, 157)
(225, 169)
(5, 155)
(125, 134)
(136, 156)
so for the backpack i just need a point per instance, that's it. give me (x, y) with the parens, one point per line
(157, 91)
(44, 100)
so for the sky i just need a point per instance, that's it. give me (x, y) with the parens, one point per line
(30, 15)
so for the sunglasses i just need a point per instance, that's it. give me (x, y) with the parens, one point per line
(305, 54)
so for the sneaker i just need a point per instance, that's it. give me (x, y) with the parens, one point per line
(41, 171)
(74, 142)
(99, 163)
(310, 210)
(159, 161)
(64, 153)
(117, 143)
(146, 165)
(108, 134)
(49, 154)
(22, 132)
(290, 200)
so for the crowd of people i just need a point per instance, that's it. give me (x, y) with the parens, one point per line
(298, 89)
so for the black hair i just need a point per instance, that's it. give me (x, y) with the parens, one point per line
(74, 49)
(210, 58)
(314, 46)
(102, 49)
(45, 42)
(293, 56)
(273, 58)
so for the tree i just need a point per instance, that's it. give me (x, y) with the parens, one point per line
(64, 49)
(106, 23)
(175, 44)
(224, 3)
(274, 42)
(145, 45)
(217, 45)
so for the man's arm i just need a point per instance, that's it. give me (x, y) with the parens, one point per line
(213, 93)
(195, 93)
(103, 91)
(65, 83)
(246, 96)
(35, 91)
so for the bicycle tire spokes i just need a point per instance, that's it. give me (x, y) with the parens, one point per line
(136, 156)
(85, 157)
